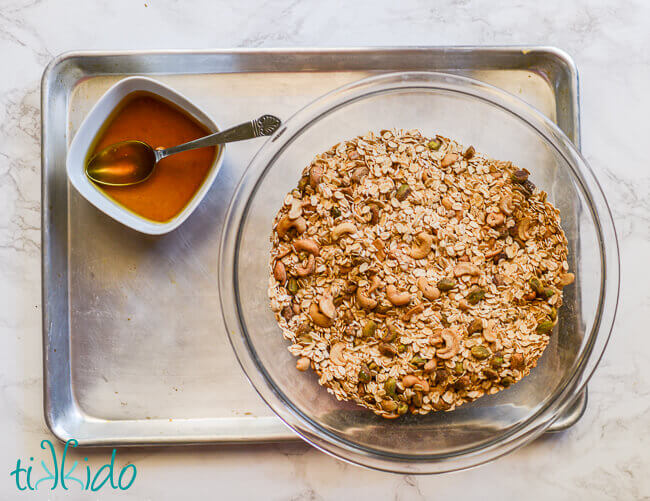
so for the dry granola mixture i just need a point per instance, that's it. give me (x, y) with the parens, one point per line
(413, 274)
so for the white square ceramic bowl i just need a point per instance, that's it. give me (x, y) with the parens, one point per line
(88, 131)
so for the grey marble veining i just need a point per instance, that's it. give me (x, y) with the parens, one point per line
(605, 456)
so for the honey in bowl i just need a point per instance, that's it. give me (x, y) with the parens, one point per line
(146, 117)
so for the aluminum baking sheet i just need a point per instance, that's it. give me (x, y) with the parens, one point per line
(135, 350)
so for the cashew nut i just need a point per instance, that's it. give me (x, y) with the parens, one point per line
(507, 205)
(303, 364)
(421, 245)
(448, 159)
(429, 291)
(285, 224)
(488, 332)
(388, 405)
(466, 269)
(358, 174)
(315, 175)
(336, 354)
(452, 345)
(307, 245)
(566, 279)
(495, 219)
(341, 229)
(308, 269)
(317, 317)
(280, 272)
(411, 380)
(375, 283)
(326, 305)
(523, 228)
(367, 303)
(429, 367)
(296, 209)
(397, 298)
(418, 308)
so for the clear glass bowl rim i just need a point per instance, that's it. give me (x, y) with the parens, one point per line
(329, 442)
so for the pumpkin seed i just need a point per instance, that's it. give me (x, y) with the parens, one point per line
(446, 284)
(403, 408)
(292, 286)
(459, 368)
(545, 327)
(507, 381)
(402, 192)
(480, 352)
(390, 336)
(434, 145)
(536, 285)
(369, 328)
(418, 361)
(364, 374)
(390, 385)
(475, 326)
(335, 212)
(475, 295)
(496, 362)
(401, 348)
(548, 292)
(387, 349)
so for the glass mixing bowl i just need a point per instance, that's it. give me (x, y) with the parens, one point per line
(497, 124)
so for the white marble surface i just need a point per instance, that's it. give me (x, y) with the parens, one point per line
(605, 456)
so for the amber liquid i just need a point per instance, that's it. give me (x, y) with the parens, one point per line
(177, 178)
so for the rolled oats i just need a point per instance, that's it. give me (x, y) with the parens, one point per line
(401, 271)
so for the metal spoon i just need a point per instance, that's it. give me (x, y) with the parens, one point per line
(131, 162)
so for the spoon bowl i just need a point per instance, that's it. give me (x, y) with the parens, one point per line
(131, 162)
(122, 164)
